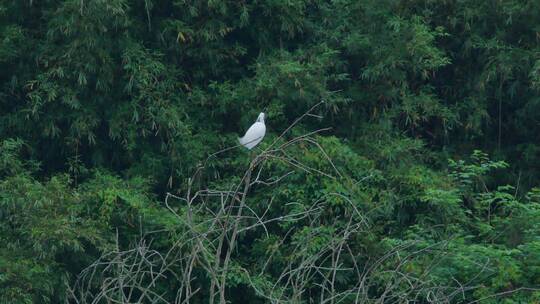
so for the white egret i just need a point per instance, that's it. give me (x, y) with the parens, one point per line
(254, 135)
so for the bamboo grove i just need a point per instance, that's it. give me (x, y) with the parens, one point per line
(400, 164)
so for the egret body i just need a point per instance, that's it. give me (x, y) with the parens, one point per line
(255, 134)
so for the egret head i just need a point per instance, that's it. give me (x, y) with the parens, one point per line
(261, 117)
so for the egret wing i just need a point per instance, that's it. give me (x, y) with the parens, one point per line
(254, 135)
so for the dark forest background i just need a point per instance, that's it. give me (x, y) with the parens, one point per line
(434, 108)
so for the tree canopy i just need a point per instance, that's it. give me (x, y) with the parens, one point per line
(401, 160)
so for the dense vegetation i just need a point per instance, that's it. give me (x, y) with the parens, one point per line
(423, 190)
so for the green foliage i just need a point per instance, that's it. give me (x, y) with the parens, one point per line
(108, 105)
(52, 229)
